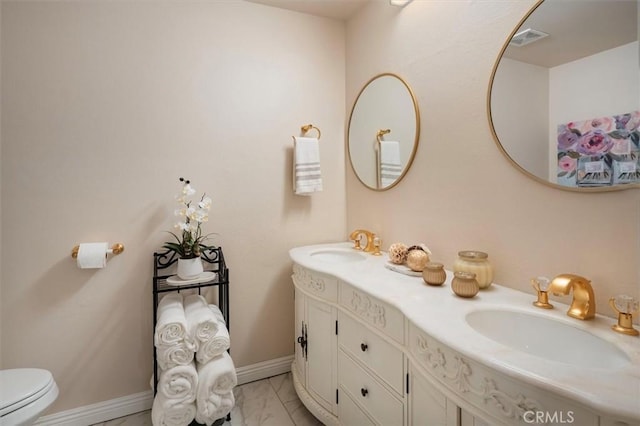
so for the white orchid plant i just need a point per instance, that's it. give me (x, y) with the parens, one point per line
(192, 215)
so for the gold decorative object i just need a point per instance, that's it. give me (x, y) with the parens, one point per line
(625, 306)
(434, 273)
(476, 262)
(115, 249)
(357, 234)
(398, 253)
(541, 285)
(417, 258)
(583, 305)
(464, 284)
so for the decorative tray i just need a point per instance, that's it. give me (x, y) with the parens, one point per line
(175, 281)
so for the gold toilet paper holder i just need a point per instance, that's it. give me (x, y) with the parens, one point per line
(115, 249)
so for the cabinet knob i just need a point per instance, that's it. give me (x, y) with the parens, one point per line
(364, 347)
(364, 392)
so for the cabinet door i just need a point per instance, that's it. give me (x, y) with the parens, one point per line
(322, 353)
(299, 336)
(467, 419)
(427, 405)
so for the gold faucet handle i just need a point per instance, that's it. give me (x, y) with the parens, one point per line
(541, 285)
(377, 243)
(625, 306)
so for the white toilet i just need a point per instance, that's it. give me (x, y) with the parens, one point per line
(24, 394)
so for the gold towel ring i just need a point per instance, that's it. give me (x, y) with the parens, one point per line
(381, 133)
(308, 127)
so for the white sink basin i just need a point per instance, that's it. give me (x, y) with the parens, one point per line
(547, 338)
(338, 255)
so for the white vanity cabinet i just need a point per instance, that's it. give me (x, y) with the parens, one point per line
(370, 351)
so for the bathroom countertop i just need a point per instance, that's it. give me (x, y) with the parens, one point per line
(441, 315)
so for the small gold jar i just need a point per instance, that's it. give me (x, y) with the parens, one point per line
(476, 262)
(464, 284)
(434, 273)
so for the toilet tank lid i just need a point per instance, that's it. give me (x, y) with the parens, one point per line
(19, 384)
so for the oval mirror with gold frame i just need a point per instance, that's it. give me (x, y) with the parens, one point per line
(383, 132)
(563, 100)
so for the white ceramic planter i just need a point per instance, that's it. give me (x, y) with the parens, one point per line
(189, 269)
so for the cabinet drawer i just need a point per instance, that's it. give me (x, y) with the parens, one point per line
(382, 406)
(350, 414)
(380, 356)
(372, 311)
(318, 284)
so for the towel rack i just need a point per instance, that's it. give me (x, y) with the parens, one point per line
(308, 127)
(381, 133)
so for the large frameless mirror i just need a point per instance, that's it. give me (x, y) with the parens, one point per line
(383, 132)
(564, 97)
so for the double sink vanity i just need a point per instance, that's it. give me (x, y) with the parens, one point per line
(376, 347)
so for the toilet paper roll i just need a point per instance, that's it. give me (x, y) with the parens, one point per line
(92, 255)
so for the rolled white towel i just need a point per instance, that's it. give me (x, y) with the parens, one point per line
(170, 356)
(167, 412)
(179, 383)
(217, 344)
(216, 376)
(214, 408)
(171, 323)
(217, 313)
(202, 324)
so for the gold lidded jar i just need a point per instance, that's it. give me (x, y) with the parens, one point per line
(476, 262)
(464, 284)
(434, 273)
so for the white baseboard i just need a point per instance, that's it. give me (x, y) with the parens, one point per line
(262, 370)
(100, 412)
(131, 404)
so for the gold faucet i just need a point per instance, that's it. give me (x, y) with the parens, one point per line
(583, 305)
(355, 237)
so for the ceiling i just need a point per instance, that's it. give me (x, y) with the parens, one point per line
(336, 9)
(577, 29)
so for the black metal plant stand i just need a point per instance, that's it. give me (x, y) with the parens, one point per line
(213, 261)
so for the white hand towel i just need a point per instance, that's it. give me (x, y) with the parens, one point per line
(167, 412)
(390, 165)
(171, 325)
(170, 356)
(216, 376)
(179, 383)
(217, 344)
(307, 177)
(216, 407)
(201, 322)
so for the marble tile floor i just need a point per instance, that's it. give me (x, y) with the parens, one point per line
(268, 402)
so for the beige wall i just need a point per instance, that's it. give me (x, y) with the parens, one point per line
(461, 193)
(105, 105)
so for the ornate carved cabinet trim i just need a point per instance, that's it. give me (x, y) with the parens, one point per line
(379, 314)
(316, 283)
